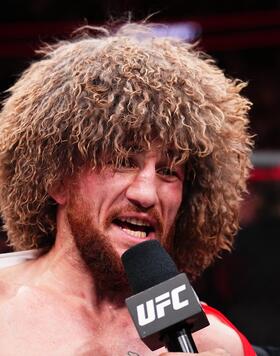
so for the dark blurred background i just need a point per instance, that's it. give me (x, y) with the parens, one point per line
(244, 38)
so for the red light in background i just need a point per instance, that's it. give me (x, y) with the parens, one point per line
(265, 174)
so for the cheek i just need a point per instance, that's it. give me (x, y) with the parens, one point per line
(172, 199)
(104, 190)
(95, 185)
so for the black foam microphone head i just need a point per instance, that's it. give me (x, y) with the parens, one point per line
(147, 264)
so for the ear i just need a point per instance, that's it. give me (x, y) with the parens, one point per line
(59, 192)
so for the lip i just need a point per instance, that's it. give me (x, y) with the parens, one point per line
(123, 240)
(140, 216)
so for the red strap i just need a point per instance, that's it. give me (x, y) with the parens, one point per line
(248, 350)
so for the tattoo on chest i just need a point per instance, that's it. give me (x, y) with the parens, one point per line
(131, 353)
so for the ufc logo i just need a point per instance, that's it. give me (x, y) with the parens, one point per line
(155, 308)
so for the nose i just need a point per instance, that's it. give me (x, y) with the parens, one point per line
(142, 191)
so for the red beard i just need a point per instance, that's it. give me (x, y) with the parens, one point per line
(96, 251)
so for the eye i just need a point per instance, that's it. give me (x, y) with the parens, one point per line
(167, 171)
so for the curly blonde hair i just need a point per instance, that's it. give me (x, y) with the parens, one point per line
(93, 97)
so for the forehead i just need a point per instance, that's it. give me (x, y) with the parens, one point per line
(156, 149)
(155, 152)
(155, 155)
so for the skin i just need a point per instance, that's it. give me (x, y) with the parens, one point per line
(52, 306)
(145, 183)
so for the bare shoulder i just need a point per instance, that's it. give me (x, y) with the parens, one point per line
(218, 334)
(8, 284)
(4, 290)
(11, 278)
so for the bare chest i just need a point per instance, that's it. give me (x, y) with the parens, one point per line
(40, 325)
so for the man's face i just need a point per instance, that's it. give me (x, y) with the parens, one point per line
(124, 206)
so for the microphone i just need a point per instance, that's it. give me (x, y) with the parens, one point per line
(164, 308)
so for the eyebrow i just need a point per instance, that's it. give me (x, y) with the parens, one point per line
(169, 162)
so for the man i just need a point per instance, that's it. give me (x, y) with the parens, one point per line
(106, 142)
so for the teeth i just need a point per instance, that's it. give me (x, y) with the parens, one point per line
(135, 221)
(140, 234)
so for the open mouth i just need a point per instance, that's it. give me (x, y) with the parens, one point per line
(134, 227)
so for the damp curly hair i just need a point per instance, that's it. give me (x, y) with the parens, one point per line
(107, 94)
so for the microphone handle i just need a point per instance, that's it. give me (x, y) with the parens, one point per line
(178, 339)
